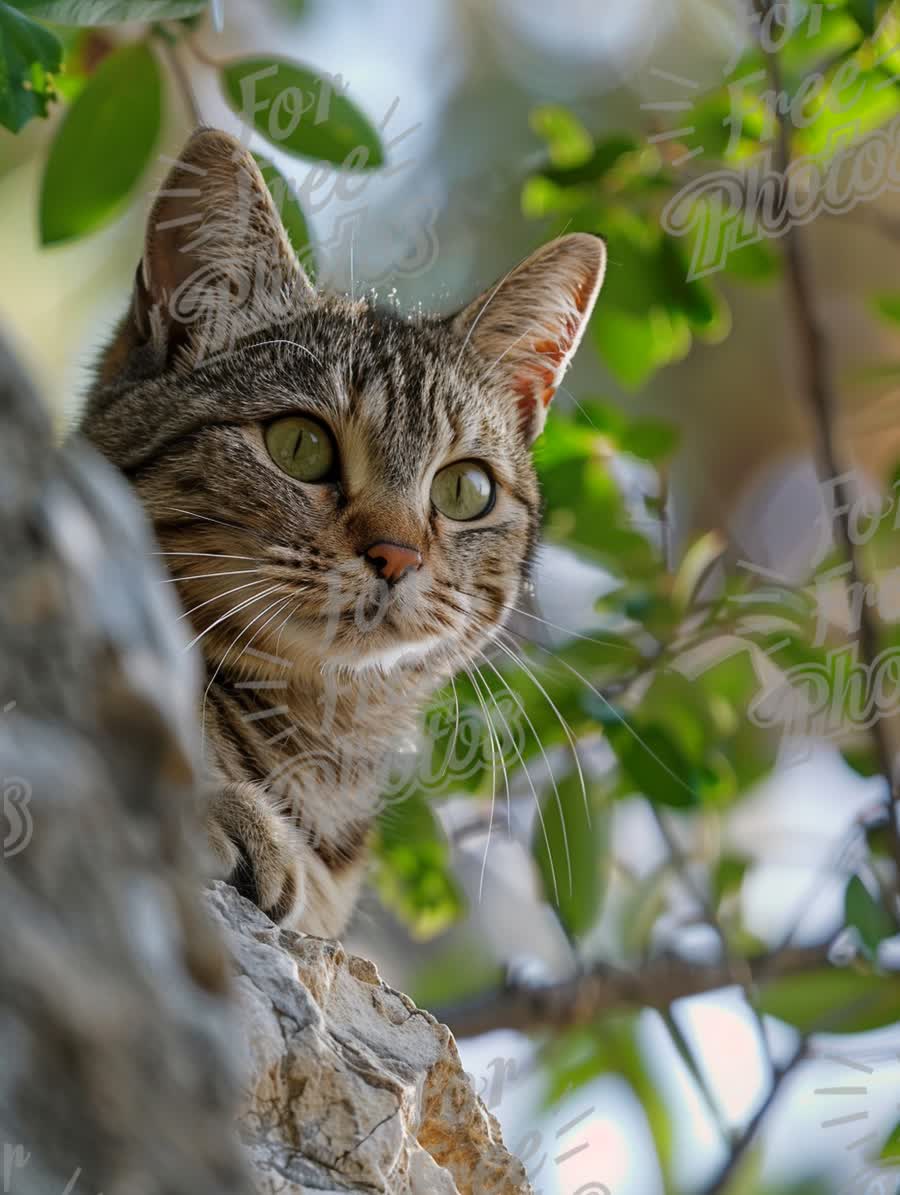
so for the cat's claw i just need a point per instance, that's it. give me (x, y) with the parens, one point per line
(253, 851)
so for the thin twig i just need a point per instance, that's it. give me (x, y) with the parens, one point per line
(683, 1046)
(723, 1179)
(201, 55)
(182, 81)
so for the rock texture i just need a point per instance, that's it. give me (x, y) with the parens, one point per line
(155, 1040)
(117, 1068)
(350, 1087)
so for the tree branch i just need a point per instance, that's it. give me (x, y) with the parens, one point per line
(821, 398)
(603, 990)
(180, 75)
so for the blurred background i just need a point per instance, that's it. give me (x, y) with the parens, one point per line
(689, 525)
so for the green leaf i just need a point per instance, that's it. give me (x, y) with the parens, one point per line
(888, 307)
(605, 156)
(836, 1000)
(649, 308)
(693, 297)
(301, 111)
(718, 239)
(728, 126)
(863, 12)
(584, 504)
(663, 746)
(869, 918)
(826, 33)
(83, 51)
(890, 1151)
(28, 55)
(289, 210)
(642, 908)
(571, 849)
(568, 142)
(699, 559)
(862, 760)
(639, 435)
(841, 116)
(109, 12)
(102, 146)
(655, 763)
(413, 876)
(728, 876)
(634, 347)
(649, 439)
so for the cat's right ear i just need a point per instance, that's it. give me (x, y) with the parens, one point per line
(526, 328)
(217, 262)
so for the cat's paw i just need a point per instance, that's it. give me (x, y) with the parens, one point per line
(254, 850)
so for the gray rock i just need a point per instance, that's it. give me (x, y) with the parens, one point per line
(117, 1069)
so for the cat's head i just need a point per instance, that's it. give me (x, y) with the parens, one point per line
(331, 482)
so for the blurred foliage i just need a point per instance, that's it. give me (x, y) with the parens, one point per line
(97, 158)
(51, 54)
(667, 698)
(890, 1151)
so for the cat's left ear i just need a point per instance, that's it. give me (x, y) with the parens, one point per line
(526, 328)
(217, 261)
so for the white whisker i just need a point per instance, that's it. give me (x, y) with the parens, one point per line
(286, 620)
(195, 514)
(537, 738)
(502, 757)
(477, 318)
(290, 343)
(508, 349)
(627, 726)
(487, 845)
(228, 652)
(211, 556)
(235, 572)
(452, 748)
(519, 660)
(240, 606)
(566, 630)
(612, 709)
(245, 650)
(217, 597)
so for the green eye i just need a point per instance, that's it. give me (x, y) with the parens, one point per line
(463, 491)
(301, 447)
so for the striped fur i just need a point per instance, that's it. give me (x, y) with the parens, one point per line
(316, 670)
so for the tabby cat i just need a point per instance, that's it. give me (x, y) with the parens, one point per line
(343, 497)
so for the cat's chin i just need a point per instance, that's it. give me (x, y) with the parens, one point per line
(380, 652)
(386, 658)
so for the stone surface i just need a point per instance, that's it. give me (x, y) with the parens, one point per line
(350, 1087)
(117, 1067)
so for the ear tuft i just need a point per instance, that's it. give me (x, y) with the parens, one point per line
(526, 328)
(217, 262)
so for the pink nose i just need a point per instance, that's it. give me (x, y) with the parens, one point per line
(393, 561)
